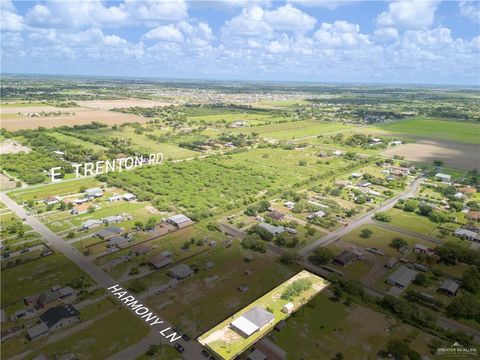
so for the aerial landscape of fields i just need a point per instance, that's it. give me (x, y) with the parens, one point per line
(235, 180)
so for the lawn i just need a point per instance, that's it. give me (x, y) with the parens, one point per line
(102, 339)
(37, 276)
(227, 343)
(381, 239)
(436, 129)
(60, 189)
(189, 305)
(294, 130)
(325, 327)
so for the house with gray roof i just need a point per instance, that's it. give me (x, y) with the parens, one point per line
(180, 221)
(54, 319)
(180, 272)
(109, 232)
(449, 287)
(252, 321)
(402, 277)
(272, 229)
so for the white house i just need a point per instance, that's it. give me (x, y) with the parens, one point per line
(443, 177)
(129, 197)
(92, 223)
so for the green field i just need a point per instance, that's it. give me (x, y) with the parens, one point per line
(37, 276)
(102, 339)
(77, 141)
(436, 129)
(294, 130)
(325, 327)
(60, 189)
(273, 301)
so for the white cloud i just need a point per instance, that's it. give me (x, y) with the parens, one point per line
(385, 33)
(327, 4)
(155, 11)
(340, 34)
(165, 33)
(289, 18)
(9, 21)
(250, 22)
(470, 9)
(408, 14)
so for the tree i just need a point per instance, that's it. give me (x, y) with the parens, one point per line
(321, 256)
(420, 280)
(425, 209)
(438, 162)
(471, 280)
(410, 205)
(186, 245)
(465, 306)
(151, 222)
(382, 216)
(136, 286)
(399, 348)
(398, 243)
(366, 233)
(138, 225)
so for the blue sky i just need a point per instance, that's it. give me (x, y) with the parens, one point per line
(409, 41)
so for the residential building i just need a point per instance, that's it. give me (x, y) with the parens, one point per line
(140, 249)
(112, 219)
(316, 214)
(467, 234)
(345, 258)
(159, 261)
(94, 192)
(402, 277)
(90, 224)
(273, 351)
(115, 198)
(449, 287)
(109, 232)
(275, 215)
(180, 221)
(129, 197)
(272, 229)
(252, 321)
(180, 272)
(443, 177)
(118, 241)
(80, 209)
(51, 200)
(54, 319)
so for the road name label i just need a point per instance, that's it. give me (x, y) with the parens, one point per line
(143, 312)
(106, 166)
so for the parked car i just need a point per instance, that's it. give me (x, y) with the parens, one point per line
(179, 348)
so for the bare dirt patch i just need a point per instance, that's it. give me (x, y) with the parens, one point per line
(82, 116)
(456, 155)
(123, 103)
(6, 183)
(13, 147)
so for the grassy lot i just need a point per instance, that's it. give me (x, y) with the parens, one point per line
(61, 188)
(102, 339)
(293, 130)
(21, 104)
(227, 343)
(437, 129)
(190, 303)
(381, 239)
(229, 117)
(37, 276)
(325, 327)
(77, 141)
(164, 352)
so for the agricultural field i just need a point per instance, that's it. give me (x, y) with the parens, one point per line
(458, 131)
(294, 130)
(79, 116)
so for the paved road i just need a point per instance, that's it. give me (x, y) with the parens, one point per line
(192, 348)
(362, 220)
